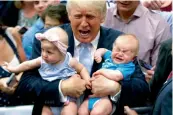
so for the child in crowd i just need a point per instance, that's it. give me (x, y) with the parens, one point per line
(55, 15)
(118, 65)
(55, 62)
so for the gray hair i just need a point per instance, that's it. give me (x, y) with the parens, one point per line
(99, 5)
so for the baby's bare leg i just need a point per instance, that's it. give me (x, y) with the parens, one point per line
(102, 107)
(70, 109)
(83, 109)
(46, 111)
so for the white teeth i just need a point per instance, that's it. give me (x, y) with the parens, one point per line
(84, 34)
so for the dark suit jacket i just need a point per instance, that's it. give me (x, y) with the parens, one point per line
(136, 88)
(163, 104)
(163, 68)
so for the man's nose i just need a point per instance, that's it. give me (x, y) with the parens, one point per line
(40, 6)
(84, 22)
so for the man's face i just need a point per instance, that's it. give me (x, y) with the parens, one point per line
(127, 6)
(85, 23)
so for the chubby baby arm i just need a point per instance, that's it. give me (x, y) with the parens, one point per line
(98, 54)
(115, 75)
(27, 65)
(82, 71)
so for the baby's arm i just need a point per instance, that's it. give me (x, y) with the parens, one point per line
(98, 54)
(115, 75)
(81, 70)
(27, 65)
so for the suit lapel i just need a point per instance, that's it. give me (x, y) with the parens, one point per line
(96, 66)
(71, 40)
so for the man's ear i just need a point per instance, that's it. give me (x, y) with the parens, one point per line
(102, 19)
(69, 17)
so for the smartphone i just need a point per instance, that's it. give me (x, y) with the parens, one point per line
(12, 76)
(23, 30)
(145, 65)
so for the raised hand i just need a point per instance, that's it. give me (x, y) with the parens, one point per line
(97, 58)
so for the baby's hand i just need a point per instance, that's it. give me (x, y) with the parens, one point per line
(97, 58)
(95, 74)
(88, 84)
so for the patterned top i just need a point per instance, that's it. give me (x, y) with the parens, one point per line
(52, 72)
(126, 68)
(24, 21)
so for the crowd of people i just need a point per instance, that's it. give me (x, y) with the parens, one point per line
(86, 57)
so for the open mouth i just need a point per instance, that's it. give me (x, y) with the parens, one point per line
(118, 59)
(84, 33)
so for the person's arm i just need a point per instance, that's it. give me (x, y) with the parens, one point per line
(156, 4)
(27, 65)
(81, 70)
(163, 68)
(115, 75)
(18, 38)
(98, 54)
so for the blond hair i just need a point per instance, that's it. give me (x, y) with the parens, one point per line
(99, 5)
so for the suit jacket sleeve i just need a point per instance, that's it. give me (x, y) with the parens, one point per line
(163, 68)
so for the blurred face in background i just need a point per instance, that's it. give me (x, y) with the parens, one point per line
(127, 6)
(41, 5)
(50, 22)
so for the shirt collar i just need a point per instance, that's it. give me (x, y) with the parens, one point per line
(94, 42)
(140, 10)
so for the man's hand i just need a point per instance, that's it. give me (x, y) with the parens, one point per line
(74, 86)
(149, 74)
(3, 86)
(156, 4)
(101, 86)
(129, 111)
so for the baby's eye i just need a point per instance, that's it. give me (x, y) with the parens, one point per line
(49, 52)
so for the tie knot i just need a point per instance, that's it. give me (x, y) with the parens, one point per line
(85, 45)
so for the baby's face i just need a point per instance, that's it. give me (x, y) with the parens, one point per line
(50, 53)
(122, 53)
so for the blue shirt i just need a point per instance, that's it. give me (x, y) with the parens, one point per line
(29, 36)
(125, 68)
(168, 17)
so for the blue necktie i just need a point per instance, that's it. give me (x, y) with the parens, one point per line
(85, 56)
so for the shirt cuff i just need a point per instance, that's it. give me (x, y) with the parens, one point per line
(62, 97)
(115, 97)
